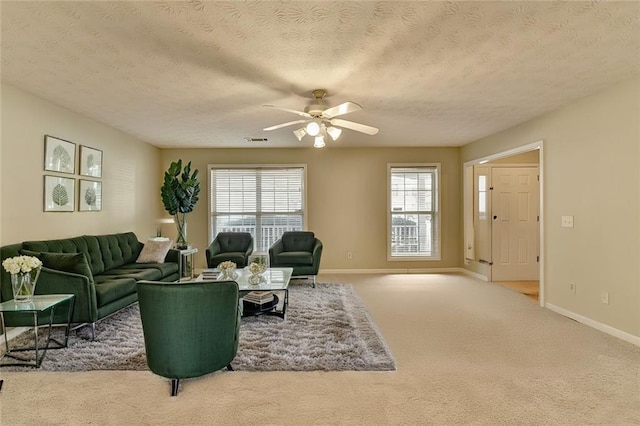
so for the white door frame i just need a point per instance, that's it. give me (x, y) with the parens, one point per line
(539, 145)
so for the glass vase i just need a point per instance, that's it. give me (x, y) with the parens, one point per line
(181, 223)
(23, 285)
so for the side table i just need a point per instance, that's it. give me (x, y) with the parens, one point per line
(186, 266)
(40, 304)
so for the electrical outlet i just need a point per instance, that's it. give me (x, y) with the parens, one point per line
(604, 297)
(567, 222)
(349, 255)
(572, 287)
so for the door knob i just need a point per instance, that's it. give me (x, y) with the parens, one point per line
(495, 217)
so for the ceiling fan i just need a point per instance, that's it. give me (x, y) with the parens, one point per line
(320, 120)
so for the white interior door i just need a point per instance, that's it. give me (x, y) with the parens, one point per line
(515, 223)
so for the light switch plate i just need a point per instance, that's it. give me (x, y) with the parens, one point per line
(567, 222)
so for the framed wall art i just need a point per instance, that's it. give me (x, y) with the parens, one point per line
(59, 194)
(90, 196)
(90, 161)
(59, 155)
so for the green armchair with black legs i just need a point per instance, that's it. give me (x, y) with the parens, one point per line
(300, 250)
(190, 329)
(233, 246)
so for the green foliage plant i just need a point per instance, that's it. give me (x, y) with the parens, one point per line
(180, 192)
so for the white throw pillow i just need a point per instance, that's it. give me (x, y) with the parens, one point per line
(155, 250)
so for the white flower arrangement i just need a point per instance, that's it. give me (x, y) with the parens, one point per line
(257, 268)
(227, 264)
(18, 264)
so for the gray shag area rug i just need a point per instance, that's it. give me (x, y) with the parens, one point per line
(327, 328)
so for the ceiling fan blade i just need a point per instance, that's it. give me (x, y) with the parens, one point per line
(301, 113)
(279, 126)
(354, 126)
(341, 109)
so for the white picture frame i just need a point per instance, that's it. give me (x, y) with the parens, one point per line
(90, 196)
(90, 161)
(59, 155)
(59, 194)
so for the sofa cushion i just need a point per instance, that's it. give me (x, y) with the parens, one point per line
(150, 274)
(236, 257)
(89, 247)
(166, 269)
(234, 241)
(294, 258)
(110, 289)
(298, 241)
(116, 249)
(154, 251)
(75, 263)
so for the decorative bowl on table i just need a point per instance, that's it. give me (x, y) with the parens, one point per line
(227, 270)
(256, 270)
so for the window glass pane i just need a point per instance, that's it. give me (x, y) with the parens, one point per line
(413, 212)
(265, 201)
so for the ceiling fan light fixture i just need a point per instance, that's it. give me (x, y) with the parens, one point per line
(334, 132)
(300, 133)
(319, 142)
(313, 128)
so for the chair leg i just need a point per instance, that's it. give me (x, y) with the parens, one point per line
(229, 367)
(174, 387)
(313, 284)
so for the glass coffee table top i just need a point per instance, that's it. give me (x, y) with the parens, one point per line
(274, 279)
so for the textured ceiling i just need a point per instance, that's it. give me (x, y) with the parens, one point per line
(196, 74)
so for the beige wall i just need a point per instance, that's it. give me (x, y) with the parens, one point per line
(130, 172)
(347, 199)
(591, 159)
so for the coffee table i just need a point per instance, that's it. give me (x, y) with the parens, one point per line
(40, 304)
(275, 280)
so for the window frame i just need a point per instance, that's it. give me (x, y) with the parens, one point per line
(210, 195)
(437, 216)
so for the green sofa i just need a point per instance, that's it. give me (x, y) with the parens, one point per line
(100, 270)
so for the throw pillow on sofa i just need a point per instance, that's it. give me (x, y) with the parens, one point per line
(75, 263)
(155, 250)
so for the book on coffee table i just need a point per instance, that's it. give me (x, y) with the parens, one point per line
(210, 274)
(259, 297)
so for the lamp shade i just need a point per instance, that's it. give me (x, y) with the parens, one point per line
(319, 142)
(334, 132)
(300, 133)
(313, 128)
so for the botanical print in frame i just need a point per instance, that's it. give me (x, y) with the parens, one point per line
(59, 155)
(90, 196)
(90, 161)
(59, 194)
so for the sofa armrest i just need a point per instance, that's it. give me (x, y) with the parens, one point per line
(212, 250)
(274, 250)
(52, 281)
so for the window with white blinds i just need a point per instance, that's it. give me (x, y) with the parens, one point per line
(413, 212)
(264, 201)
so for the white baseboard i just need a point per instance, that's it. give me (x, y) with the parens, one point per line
(627, 337)
(392, 271)
(14, 332)
(474, 274)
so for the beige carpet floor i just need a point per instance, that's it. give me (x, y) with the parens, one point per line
(467, 352)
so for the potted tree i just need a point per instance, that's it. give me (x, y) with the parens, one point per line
(179, 196)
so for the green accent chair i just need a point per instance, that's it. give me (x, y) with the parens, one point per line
(300, 250)
(233, 246)
(190, 329)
